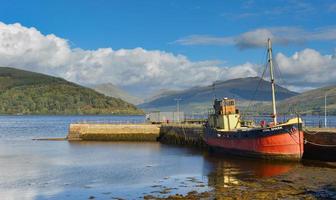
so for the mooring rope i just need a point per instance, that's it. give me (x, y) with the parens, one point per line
(309, 132)
(313, 143)
(290, 134)
(322, 145)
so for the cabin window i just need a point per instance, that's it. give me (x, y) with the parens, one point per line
(229, 103)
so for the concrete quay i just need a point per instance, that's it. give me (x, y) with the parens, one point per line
(319, 145)
(113, 132)
(183, 134)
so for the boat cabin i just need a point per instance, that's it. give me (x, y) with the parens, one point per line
(225, 106)
(225, 117)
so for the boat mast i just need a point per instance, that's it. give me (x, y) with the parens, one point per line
(274, 115)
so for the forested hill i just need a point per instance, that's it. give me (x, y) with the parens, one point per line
(24, 92)
(311, 102)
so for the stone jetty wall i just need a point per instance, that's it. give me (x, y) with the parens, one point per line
(320, 144)
(190, 135)
(113, 132)
(183, 134)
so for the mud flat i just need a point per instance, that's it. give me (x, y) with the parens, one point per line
(301, 182)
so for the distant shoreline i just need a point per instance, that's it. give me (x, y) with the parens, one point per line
(73, 115)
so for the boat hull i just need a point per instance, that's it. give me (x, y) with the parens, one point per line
(280, 143)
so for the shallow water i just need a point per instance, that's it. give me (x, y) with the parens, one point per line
(31, 169)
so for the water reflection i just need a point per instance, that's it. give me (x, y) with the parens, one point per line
(77, 170)
(231, 171)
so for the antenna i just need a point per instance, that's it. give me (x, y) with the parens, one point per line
(213, 90)
(178, 108)
(325, 110)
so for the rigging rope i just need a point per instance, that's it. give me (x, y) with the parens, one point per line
(313, 143)
(309, 132)
(293, 138)
(322, 145)
(259, 83)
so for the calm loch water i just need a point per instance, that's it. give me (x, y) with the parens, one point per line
(31, 169)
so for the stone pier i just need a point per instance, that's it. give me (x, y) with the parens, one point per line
(183, 134)
(320, 143)
(113, 132)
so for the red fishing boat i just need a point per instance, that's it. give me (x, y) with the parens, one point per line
(226, 131)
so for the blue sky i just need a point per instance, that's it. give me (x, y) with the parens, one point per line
(157, 24)
(182, 26)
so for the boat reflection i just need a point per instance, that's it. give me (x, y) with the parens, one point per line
(231, 171)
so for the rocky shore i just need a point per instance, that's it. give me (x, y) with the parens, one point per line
(314, 181)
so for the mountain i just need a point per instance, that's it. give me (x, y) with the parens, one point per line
(113, 91)
(242, 89)
(24, 92)
(311, 102)
(160, 94)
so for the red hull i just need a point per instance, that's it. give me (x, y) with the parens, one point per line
(280, 145)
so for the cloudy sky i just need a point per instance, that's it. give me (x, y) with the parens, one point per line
(144, 46)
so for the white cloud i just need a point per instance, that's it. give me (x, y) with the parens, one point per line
(307, 69)
(27, 48)
(146, 71)
(254, 38)
(205, 40)
(258, 37)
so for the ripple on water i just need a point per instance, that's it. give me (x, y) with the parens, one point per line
(62, 170)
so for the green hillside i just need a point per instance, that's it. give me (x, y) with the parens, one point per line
(311, 102)
(24, 92)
